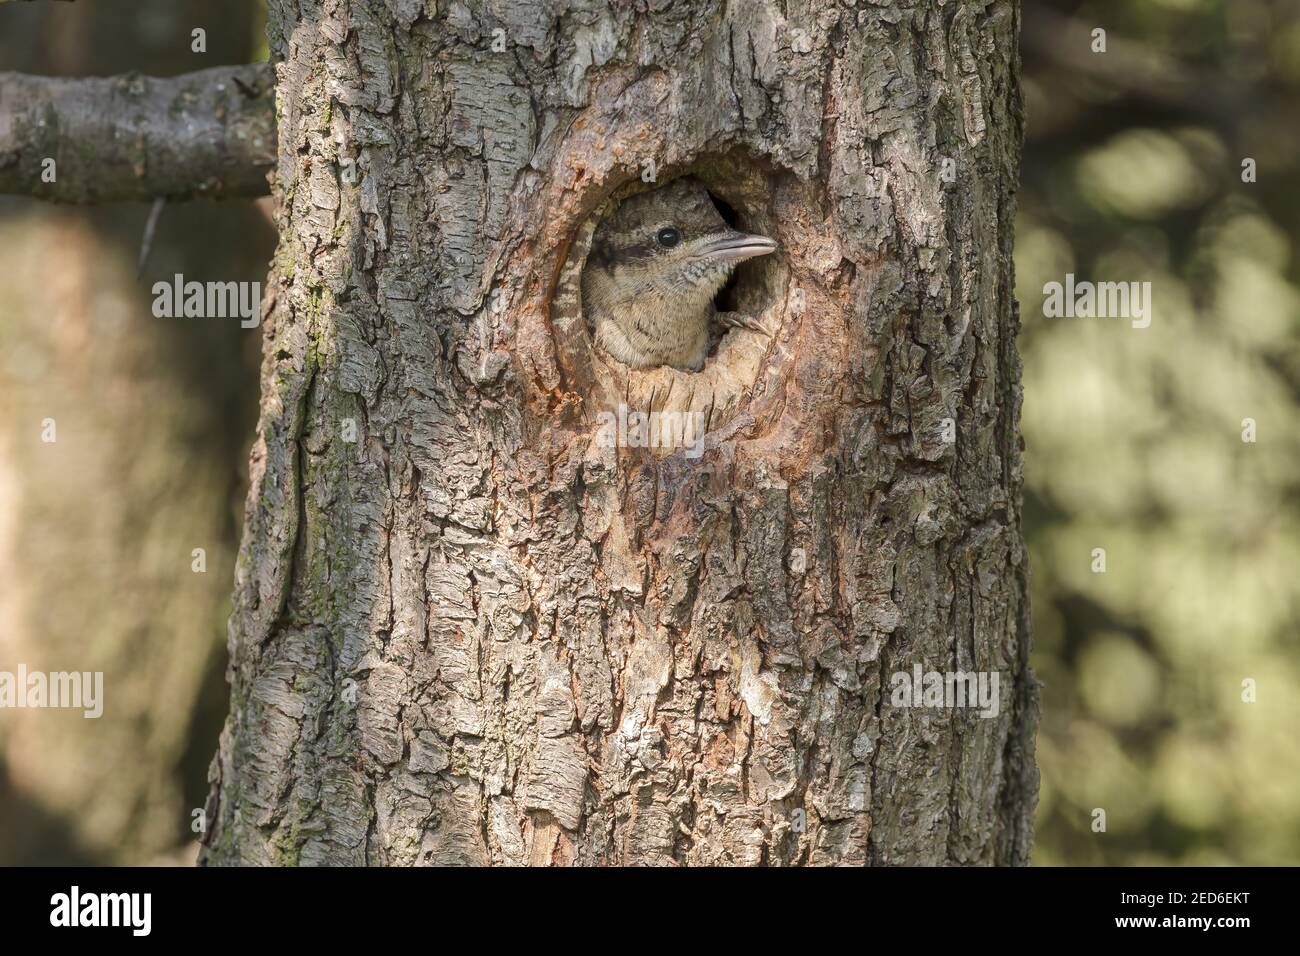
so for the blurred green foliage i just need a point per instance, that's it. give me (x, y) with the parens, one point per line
(1133, 172)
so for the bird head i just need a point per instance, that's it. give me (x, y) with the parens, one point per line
(666, 249)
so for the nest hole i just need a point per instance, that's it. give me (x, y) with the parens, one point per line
(743, 195)
(727, 299)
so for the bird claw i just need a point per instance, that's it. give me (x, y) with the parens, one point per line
(739, 320)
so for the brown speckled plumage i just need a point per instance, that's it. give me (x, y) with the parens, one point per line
(649, 301)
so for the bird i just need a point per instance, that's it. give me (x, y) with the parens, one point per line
(655, 265)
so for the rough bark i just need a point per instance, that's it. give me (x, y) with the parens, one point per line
(474, 635)
(131, 137)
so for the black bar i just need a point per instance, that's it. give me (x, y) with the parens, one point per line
(340, 906)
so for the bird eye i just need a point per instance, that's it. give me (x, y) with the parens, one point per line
(668, 237)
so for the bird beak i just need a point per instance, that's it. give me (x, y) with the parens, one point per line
(736, 247)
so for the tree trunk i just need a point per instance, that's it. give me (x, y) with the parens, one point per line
(474, 633)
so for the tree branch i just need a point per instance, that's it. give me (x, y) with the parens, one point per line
(131, 137)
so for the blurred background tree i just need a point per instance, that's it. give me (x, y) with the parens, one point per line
(1132, 172)
(153, 421)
